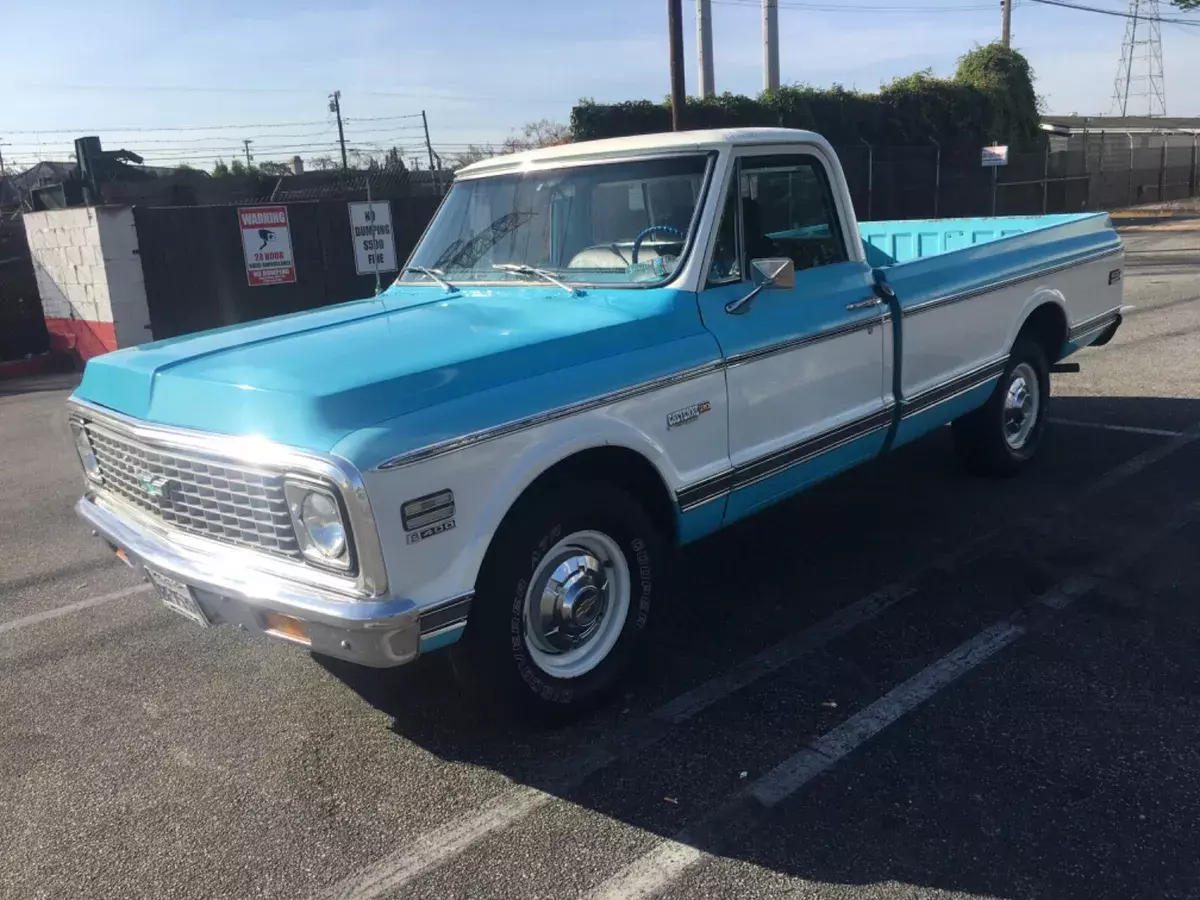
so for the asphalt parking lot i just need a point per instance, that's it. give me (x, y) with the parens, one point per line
(906, 683)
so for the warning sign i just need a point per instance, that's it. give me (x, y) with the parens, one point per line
(995, 156)
(374, 243)
(267, 244)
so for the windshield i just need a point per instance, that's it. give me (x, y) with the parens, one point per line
(602, 223)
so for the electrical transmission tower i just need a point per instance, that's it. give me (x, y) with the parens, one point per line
(1138, 89)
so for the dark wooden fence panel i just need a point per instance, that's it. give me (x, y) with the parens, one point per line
(195, 271)
(22, 325)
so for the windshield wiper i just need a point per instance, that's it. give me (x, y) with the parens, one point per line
(525, 269)
(436, 274)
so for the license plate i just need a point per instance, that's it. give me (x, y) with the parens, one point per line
(177, 597)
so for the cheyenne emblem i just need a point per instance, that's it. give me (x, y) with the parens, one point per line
(687, 414)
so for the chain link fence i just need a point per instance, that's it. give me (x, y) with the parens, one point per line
(1101, 171)
(195, 189)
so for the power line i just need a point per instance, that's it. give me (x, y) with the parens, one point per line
(348, 120)
(208, 89)
(306, 150)
(1195, 23)
(230, 147)
(860, 7)
(247, 125)
(218, 142)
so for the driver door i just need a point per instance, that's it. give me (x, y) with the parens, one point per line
(805, 363)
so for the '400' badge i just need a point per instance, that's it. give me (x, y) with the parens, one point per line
(417, 536)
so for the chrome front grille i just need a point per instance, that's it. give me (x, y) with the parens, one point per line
(230, 503)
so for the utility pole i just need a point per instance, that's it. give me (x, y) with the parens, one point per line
(428, 146)
(1006, 22)
(675, 40)
(770, 10)
(246, 144)
(335, 106)
(704, 43)
(3, 174)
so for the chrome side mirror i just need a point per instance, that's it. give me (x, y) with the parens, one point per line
(775, 273)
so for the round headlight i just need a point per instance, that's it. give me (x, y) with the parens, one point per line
(84, 447)
(322, 521)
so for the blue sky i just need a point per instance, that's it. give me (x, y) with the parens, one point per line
(479, 67)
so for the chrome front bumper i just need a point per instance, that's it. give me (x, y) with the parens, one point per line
(372, 632)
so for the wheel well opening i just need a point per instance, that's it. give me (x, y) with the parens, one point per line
(620, 466)
(1048, 326)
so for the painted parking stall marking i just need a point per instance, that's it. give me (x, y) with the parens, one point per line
(441, 845)
(666, 862)
(745, 810)
(267, 245)
(1108, 426)
(67, 609)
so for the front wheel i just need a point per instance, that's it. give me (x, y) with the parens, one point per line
(561, 602)
(1003, 435)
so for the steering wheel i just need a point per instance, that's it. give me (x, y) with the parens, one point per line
(646, 232)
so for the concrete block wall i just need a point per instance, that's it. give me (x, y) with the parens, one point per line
(90, 279)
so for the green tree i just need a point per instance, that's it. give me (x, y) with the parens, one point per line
(220, 169)
(542, 133)
(1004, 76)
(274, 169)
(473, 154)
(237, 167)
(1187, 4)
(363, 159)
(393, 160)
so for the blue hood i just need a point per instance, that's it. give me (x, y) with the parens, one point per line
(310, 379)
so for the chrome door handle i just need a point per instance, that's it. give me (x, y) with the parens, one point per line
(865, 303)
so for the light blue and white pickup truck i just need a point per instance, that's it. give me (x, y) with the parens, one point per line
(598, 352)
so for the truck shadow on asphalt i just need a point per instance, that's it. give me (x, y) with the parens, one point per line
(40, 384)
(1066, 767)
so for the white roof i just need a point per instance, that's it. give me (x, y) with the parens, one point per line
(672, 141)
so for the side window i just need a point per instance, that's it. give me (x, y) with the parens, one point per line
(726, 261)
(788, 211)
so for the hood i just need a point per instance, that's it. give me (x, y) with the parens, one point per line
(310, 379)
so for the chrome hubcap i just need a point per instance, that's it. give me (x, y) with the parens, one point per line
(1021, 405)
(576, 604)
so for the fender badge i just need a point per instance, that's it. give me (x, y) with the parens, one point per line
(687, 414)
(417, 536)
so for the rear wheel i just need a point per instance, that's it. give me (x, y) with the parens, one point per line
(1002, 436)
(561, 602)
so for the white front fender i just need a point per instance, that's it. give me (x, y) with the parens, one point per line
(488, 477)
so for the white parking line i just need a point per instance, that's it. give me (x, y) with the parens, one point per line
(1106, 426)
(441, 845)
(672, 857)
(67, 609)
(658, 868)
(793, 773)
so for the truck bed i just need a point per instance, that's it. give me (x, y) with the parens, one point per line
(964, 286)
(902, 241)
